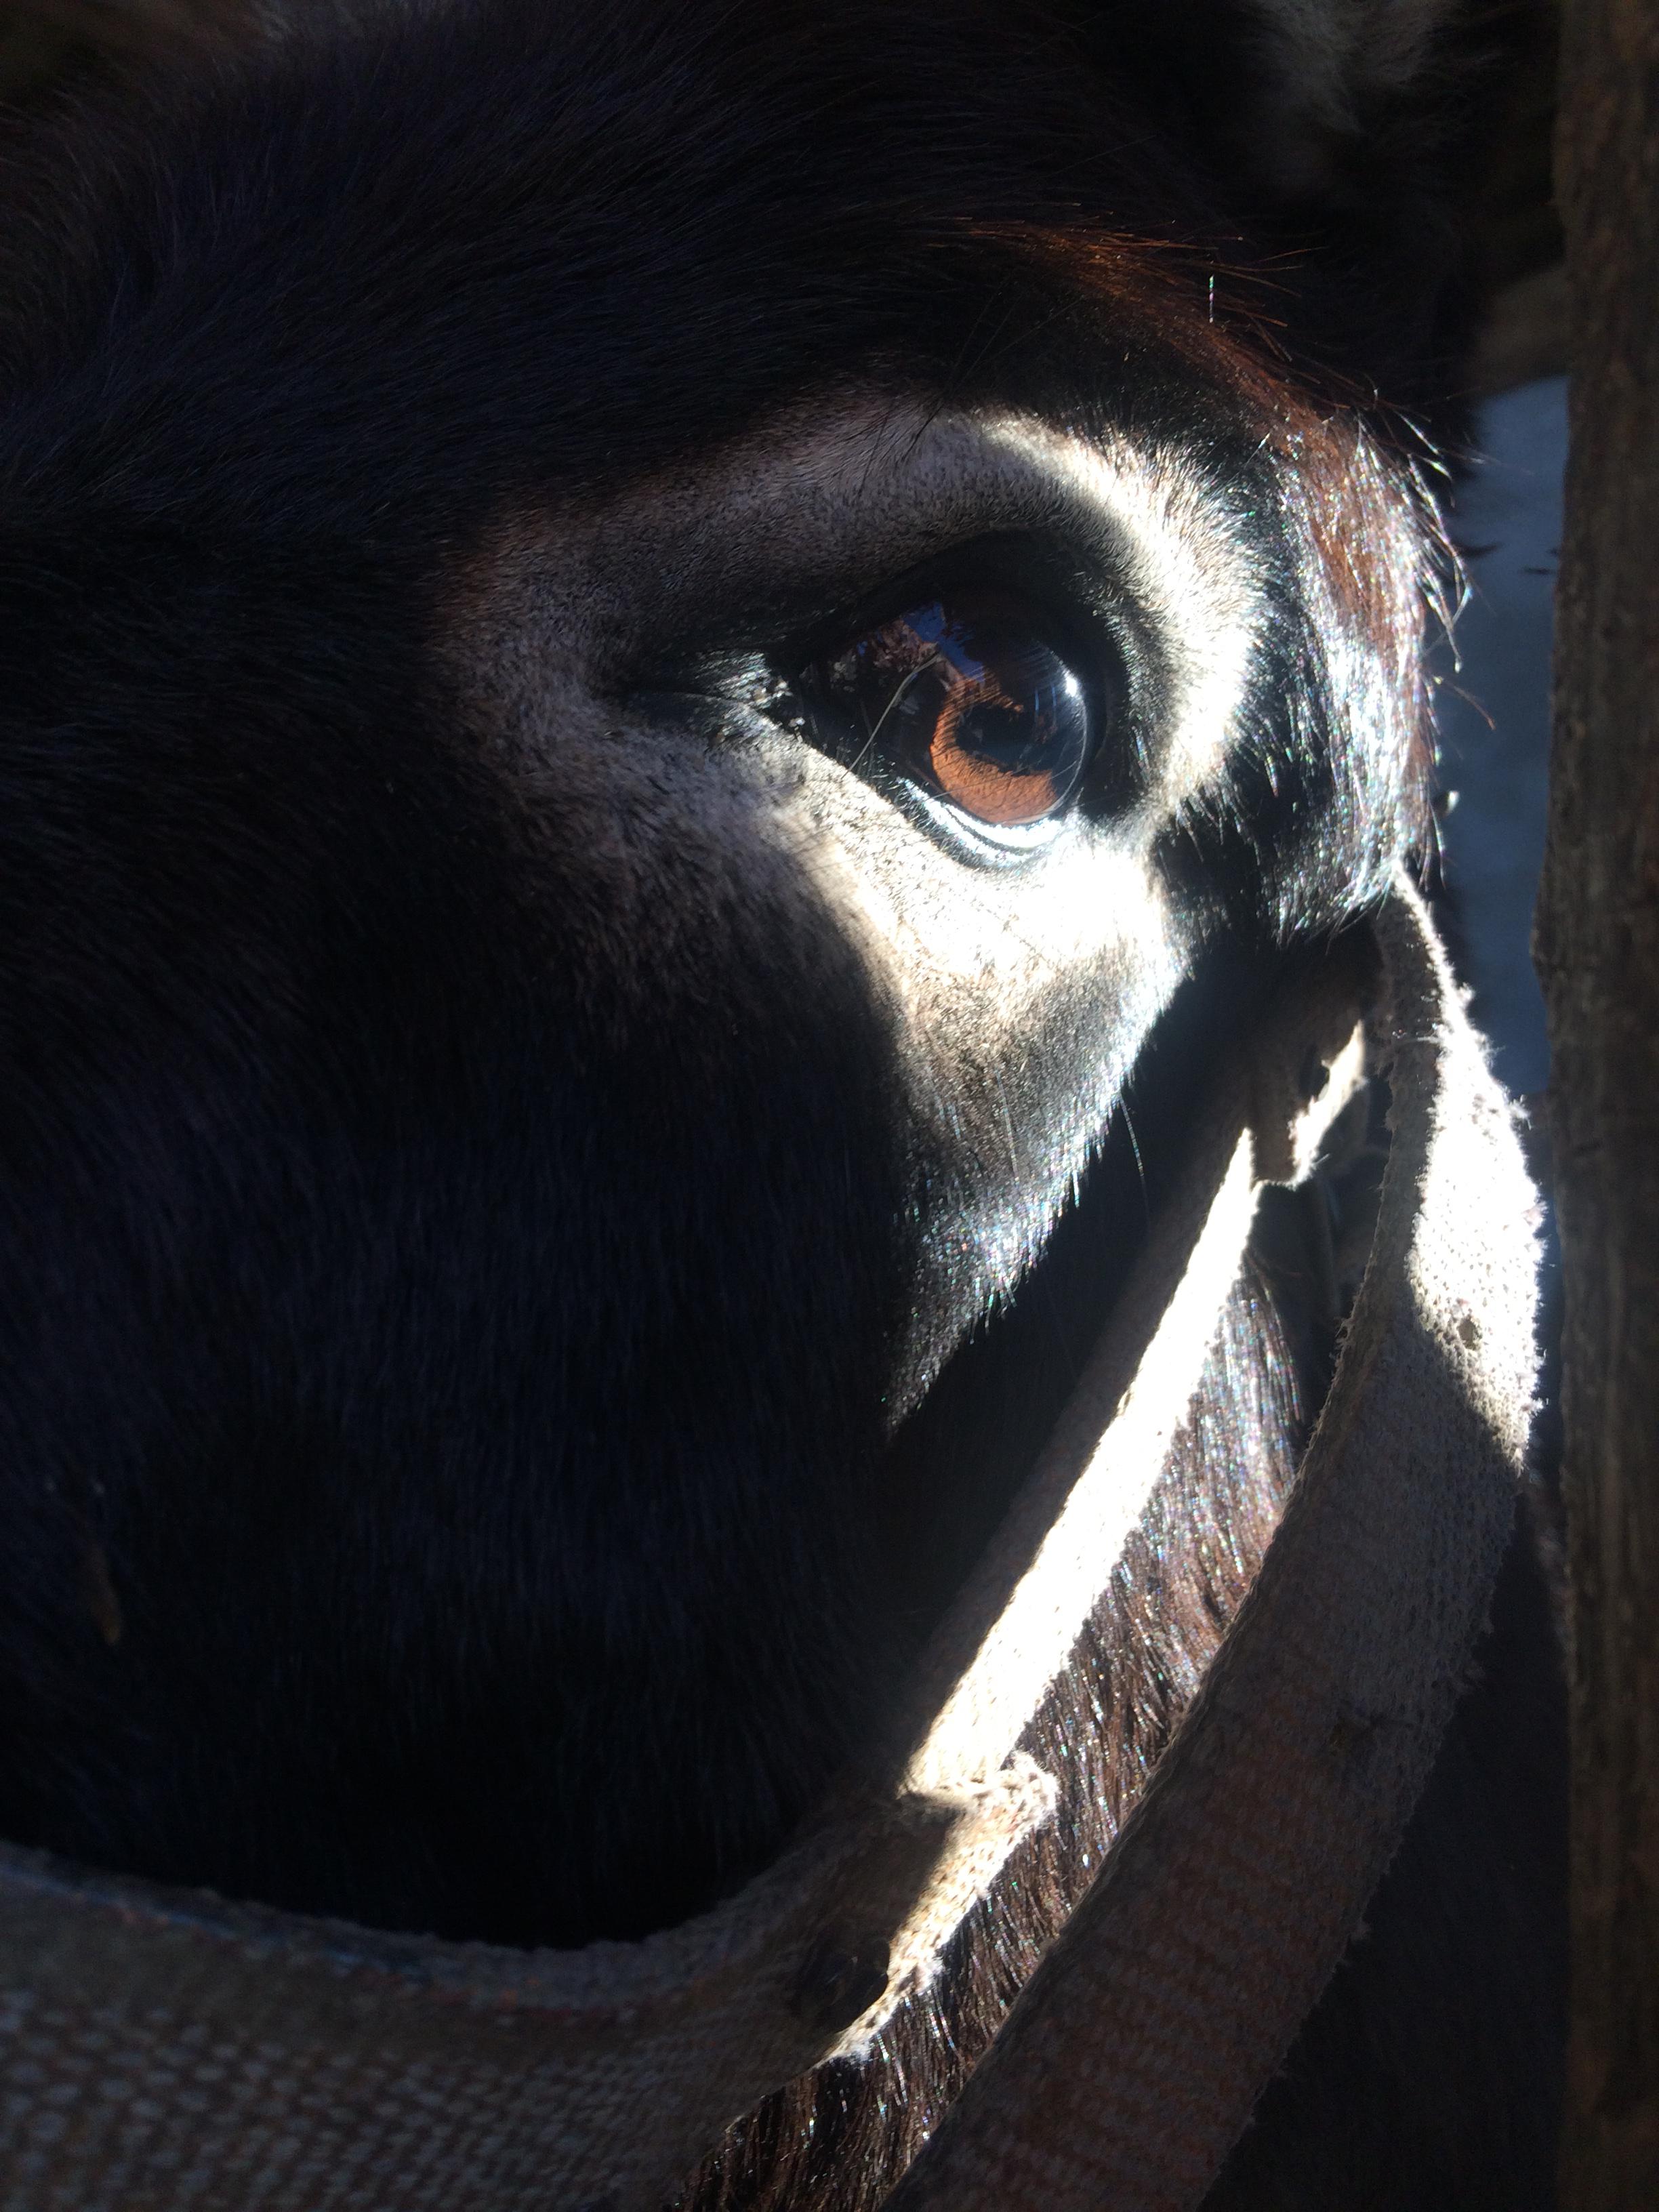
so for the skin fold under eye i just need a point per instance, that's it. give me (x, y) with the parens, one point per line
(966, 696)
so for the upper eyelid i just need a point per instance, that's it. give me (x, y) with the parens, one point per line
(935, 578)
(788, 639)
(798, 545)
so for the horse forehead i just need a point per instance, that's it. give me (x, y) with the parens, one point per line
(602, 250)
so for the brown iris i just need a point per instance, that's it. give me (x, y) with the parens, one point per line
(969, 700)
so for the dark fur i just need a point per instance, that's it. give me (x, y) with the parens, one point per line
(454, 1316)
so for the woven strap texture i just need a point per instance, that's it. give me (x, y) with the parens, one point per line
(1134, 2057)
(166, 2052)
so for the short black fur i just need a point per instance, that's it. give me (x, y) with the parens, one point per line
(457, 1287)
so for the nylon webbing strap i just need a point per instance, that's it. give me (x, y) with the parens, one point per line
(169, 2052)
(1132, 2059)
(163, 2052)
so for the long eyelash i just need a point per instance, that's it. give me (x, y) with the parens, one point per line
(921, 668)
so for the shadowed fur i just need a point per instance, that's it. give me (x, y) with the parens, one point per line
(544, 1210)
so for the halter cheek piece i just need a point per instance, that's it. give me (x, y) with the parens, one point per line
(163, 2052)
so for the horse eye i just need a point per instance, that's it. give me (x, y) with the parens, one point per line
(967, 699)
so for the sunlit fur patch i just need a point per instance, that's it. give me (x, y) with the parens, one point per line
(1328, 778)
(1328, 782)
(980, 963)
(1186, 564)
(1281, 622)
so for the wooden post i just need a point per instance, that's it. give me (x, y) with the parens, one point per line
(1597, 948)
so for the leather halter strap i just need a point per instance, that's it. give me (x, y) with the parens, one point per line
(161, 2048)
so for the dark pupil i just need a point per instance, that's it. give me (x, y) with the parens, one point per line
(976, 707)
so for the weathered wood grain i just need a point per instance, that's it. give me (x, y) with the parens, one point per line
(1597, 948)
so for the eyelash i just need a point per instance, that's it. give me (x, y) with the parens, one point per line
(966, 697)
(984, 693)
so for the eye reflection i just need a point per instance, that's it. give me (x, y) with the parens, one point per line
(969, 700)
